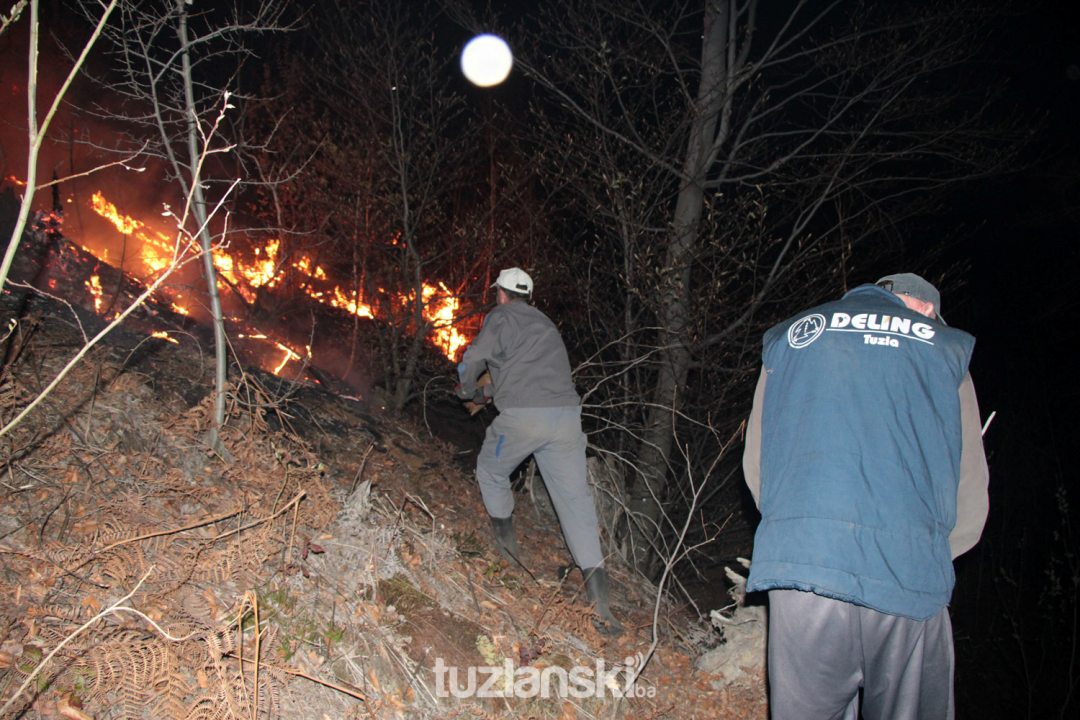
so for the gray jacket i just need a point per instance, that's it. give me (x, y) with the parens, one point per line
(523, 351)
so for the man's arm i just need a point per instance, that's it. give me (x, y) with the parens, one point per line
(972, 494)
(474, 361)
(751, 458)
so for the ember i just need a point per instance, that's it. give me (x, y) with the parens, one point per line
(164, 335)
(94, 286)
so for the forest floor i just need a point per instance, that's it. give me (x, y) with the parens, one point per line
(329, 569)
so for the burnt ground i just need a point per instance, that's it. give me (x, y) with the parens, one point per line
(320, 573)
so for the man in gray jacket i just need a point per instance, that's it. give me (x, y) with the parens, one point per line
(539, 415)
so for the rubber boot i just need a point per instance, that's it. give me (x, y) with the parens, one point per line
(597, 589)
(505, 540)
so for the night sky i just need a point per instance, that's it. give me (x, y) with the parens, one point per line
(1018, 588)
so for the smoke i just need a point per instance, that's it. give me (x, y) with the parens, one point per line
(80, 138)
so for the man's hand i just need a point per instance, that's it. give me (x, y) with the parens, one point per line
(482, 381)
(474, 408)
(478, 400)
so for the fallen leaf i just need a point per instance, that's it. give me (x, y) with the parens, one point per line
(69, 708)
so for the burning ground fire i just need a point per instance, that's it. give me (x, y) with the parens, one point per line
(156, 251)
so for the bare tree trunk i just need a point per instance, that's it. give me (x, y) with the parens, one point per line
(195, 160)
(354, 335)
(648, 489)
(403, 386)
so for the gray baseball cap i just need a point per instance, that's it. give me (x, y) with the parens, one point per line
(915, 286)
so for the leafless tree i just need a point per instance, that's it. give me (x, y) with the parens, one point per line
(730, 157)
(175, 72)
(385, 81)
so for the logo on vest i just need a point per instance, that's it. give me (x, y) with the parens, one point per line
(889, 329)
(806, 330)
(880, 330)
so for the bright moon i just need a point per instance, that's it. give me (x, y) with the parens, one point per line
(486, 60)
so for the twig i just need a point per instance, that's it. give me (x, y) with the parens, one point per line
(192, 526)
(669, 566)
(300, 673)
(260, 521)
(164, 633)
(112, 608)
(46, 559)
(548, 604)
(252, 600)
(423, 403)
(292, 534)
(472, 590)
(55, 298)
(360, 470)
(82, 352)
(132, 155)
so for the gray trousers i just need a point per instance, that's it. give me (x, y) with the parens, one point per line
(822, 651)
(553, 436)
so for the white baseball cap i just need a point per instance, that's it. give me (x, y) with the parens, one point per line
(515, 280)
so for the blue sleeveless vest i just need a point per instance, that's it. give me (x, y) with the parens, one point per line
(860, 454)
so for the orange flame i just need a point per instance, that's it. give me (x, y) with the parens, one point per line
(440, 309)
(164, 335)
(156, 248)
(157, 251)
(94, 286)
(290, 354)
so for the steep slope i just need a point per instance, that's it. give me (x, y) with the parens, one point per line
(339, 567)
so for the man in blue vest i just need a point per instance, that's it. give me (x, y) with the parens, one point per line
(539, 415)
(864, 455)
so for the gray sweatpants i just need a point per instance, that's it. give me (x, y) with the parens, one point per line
(553, 436)
(821, 651)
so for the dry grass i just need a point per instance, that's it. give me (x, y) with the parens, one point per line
(320, 574)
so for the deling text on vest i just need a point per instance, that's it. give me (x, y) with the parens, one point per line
(881, 323)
